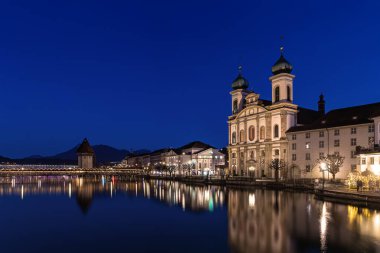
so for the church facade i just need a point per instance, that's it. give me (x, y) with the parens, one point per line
(261, 131)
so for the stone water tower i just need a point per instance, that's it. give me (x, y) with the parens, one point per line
(86, 155)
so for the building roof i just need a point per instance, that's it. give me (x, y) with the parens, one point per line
(195, 144)
(282, 66)
(343, 117)
(85, 148)
(240, 82)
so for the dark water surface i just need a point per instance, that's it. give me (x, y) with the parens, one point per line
(111, 214)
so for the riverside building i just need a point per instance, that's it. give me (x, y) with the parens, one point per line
(195, 158)
(260, 131)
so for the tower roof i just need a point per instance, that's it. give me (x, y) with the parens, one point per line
(85, 148)
(282, 65)
(240, 82)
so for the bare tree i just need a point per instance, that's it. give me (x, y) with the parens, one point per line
(332, 163)
(277, 165)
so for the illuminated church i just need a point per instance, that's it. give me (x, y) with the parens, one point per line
(260, 131)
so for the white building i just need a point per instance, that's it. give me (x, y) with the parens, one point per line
(193, 158)
(257, 127)
(261, 131)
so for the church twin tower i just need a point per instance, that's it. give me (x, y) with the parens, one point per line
(257, 127)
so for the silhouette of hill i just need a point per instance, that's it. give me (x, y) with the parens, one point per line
(104, 155)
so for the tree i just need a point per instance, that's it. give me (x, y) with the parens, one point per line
(277, 165)
(171, 169)
(331, 162)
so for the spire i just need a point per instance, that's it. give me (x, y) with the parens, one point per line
(321, 104)
(240, 82)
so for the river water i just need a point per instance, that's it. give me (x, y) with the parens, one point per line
(112, 214)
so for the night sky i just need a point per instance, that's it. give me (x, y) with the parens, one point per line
(149, 74)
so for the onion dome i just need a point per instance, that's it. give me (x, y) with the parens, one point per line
(240, 82)
(282, 65)
(85, 148)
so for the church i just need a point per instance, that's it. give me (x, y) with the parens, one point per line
(260, 131)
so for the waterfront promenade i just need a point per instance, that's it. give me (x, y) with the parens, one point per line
(332, 191)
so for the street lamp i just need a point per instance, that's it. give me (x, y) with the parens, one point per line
(323, 167)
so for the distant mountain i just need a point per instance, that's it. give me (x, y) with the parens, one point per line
(104, 155)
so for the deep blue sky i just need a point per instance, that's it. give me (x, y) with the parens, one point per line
(148, 74)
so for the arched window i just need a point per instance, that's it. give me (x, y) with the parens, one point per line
(276, 131)
(235, 105)
(251, 132)
(288, 93)
(277, 94)
(241, 136)
(262, 133)
(234, 137)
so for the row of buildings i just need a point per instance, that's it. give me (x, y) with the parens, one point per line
(195, 158)
(260, 131)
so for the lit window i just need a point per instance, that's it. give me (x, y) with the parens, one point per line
(308, 145)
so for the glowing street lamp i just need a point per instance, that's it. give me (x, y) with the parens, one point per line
(323, 167)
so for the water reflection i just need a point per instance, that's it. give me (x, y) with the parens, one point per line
(258, 220)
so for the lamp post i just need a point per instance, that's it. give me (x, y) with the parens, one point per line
(323, 167)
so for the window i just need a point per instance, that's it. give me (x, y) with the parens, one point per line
(251, 133)
(262, 153)
(371, 128)
(364, 161)
(372, 160)
(307, 135)
(353, 167)
(276, 152)
(307, 145)
(307, 156)
(321, 134)
(294, 137)
(262, 133)
(336, 132)
(336, 143)
(242, 155)
(200, 165)
(241, 136)
(371, 141)
(321, 144)
(277, 94)
(353, 130)
(353, 141)
(235, 106)
(294, 157)
(233, 155)
(294, 146)
(276, 131)
(234, 137)
(307, 168)
(353, 153)
(252, 155)
(321, 155)
(288, 94)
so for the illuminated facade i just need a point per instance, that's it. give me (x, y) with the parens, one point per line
(257, 127)
(193, 158)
